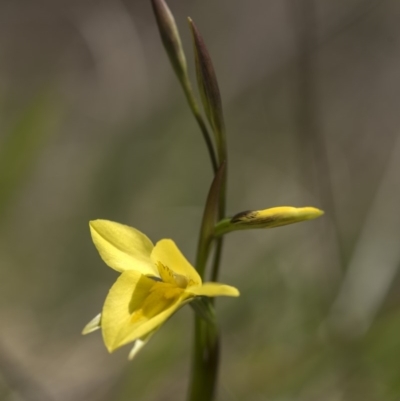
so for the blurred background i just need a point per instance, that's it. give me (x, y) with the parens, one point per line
(94, 125)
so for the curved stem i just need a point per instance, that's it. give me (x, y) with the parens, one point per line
(187, 89)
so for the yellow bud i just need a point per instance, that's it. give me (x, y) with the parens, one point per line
(275, 216)
(267, 218)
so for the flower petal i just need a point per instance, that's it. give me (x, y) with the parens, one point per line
(93, 325)
(135, 306)
(131, 332)
(169, 255)
(213, 290)
(125, 296)
(123, 247)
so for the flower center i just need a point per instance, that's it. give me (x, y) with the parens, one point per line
(168, 276)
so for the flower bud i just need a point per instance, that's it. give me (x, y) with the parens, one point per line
(209, 90)
(267, 218)
(170, 37)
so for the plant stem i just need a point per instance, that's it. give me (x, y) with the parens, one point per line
(187, 89)
(206, 339)
(217, 259)
(220, 240)
(205, 361)
(206, 342)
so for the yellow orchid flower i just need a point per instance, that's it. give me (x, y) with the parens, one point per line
(155, 282)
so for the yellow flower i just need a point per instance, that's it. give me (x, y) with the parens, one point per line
(155, 282)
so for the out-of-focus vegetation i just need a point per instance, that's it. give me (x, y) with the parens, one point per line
(94, 125)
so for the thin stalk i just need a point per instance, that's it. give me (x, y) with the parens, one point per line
(220, 240)
(206, 343)
(217, 259)
(187, 89)
(223, 158)
(206, 338)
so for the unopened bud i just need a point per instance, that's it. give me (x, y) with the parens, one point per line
(267, 218)
(170, 37)
(208, 88)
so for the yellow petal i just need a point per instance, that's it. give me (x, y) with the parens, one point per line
(93, 325)
(169, 255)
(135, 306)
(132, 332)
(123, 247)
(125, 296)
(213, 290)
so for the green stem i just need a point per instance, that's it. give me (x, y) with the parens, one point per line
(206, 344)
(224, 226)
(217, 259)
(206, 339)
(187, 89)
(220, 240)
(205, 361)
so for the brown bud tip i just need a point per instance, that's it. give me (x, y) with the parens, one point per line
(170, 36)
